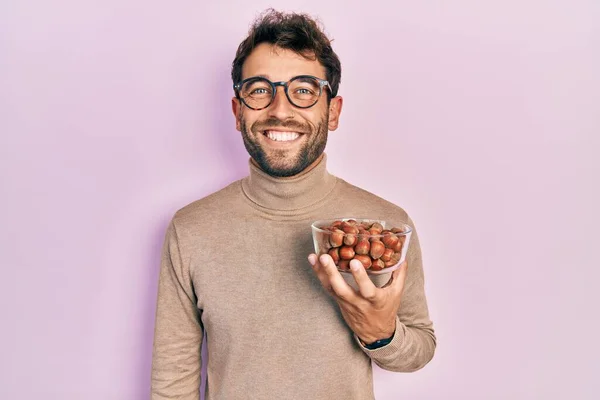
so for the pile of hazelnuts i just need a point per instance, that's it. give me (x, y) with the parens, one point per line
(375, 247)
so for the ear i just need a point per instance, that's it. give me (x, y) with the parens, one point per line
(236, 107)
(335, 109)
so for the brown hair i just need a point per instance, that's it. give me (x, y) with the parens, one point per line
(292, 31)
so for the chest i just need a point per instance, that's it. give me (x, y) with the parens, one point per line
(258, 277)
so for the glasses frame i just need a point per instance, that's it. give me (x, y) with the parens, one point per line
(322, 83)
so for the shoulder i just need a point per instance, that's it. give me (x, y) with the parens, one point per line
(364, 199)
(211, 208)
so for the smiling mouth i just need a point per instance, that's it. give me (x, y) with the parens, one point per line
(282, 136)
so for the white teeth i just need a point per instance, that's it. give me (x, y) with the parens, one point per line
(282, 136)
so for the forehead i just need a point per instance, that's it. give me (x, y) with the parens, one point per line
(279, 64)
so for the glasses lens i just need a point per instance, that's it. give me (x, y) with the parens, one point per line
(304, 91)
(257, 93)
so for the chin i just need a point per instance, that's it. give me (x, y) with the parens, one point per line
(282, 169)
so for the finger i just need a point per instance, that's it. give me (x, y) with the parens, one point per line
(395, 278)
(339, 285)
(365, 286)
(399, 277)
(312, 259)
(322, 276)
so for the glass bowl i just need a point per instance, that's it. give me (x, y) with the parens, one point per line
(379, 245)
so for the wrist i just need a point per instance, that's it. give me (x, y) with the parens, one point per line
(381, 340)
(377, 343)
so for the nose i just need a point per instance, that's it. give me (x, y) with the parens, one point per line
(280, 108)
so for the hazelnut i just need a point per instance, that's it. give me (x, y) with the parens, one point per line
(394, 259)
(365, 260)
(335, 254)
(390, 263)
(397, 247)
(350, 229)
(344, 265)
(363, 246)
(387, 255)
(397, 230)
(336, 224)
(366, 225)
(344, 225)
(374, 231)
(364, 235)
(377, 226)
(390, 240)
(377, 249)
(350, 239)
(377, 265)
(347, 253)
(336, 238)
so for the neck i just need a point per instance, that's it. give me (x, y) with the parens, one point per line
(289, 193)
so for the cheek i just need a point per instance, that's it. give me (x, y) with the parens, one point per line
(314, 120)
(250, 119)
(244, 123)
(319, 121)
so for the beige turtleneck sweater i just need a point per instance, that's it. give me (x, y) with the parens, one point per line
(235, 266)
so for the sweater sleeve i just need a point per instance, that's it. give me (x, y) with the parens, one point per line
(176, 362)
(414, 341)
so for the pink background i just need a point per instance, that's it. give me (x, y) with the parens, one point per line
(481, 118)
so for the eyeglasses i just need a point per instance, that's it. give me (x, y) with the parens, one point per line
(302, 91)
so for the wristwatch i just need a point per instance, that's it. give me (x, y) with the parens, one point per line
(377, 344)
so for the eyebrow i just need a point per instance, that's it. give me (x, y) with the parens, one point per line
(258, 76)
(267, 76)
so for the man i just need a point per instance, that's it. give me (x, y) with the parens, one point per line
(234, 263)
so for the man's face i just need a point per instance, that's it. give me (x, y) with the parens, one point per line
(284, 139)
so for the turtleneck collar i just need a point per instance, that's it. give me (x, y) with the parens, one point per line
(290, 193)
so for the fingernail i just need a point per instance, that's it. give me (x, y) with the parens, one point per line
(354, 266)
(323, 259)
(312, 259)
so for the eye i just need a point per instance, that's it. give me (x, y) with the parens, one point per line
(259, 91)
(304, 92)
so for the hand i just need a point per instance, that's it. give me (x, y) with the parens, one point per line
(371, 311)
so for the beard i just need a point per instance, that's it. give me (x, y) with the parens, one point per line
(282, 163)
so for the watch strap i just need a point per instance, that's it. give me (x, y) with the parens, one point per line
(378, 343)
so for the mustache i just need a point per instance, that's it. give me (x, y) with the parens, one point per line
(272, 123)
